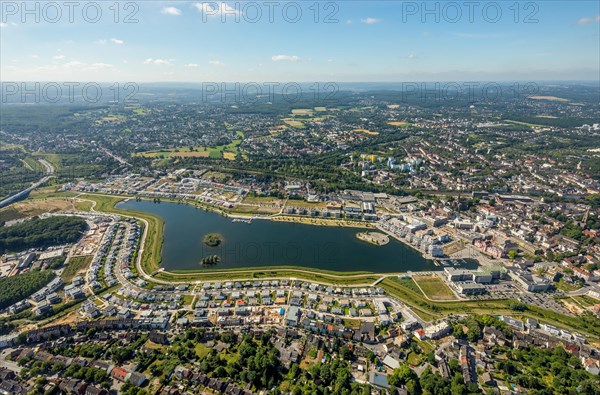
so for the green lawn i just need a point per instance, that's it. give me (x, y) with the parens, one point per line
(434, 287)
(201, 350)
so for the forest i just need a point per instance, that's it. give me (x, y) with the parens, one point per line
(16, 288)
(41, 233)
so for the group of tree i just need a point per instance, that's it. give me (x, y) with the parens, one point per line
(16, 288)
(41, 233)
(47, 368)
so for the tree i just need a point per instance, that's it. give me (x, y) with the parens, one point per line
(401, 375)
(345, 353)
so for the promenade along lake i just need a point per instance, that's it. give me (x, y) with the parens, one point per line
(273, 243)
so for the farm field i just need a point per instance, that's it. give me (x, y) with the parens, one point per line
(366, 131)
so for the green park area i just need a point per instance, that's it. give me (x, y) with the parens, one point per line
(226, 151)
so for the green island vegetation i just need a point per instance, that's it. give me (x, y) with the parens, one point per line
(38, 233)
(21, 286)
(210, 260)
(213, 239)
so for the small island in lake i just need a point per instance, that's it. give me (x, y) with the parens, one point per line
(210, 260)
(213, 239)
(376, 238)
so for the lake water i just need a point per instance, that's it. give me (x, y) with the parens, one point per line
(272, 243)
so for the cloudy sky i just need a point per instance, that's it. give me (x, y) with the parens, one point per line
(351, 41)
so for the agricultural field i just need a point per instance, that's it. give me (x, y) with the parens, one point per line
(550, 98)
(293, 123)
(398, 123)
(303, 111)
(366, 131)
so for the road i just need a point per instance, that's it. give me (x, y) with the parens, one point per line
(115, 157)
(18, 196)
(10, 365)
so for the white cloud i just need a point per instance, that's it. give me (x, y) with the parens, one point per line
(216, 63)
(411, 56)
(158, 62)
(2, 24)
(349, 22)
(171, 11)
(112, 41)
(588, 21)
(35, 56)
(58, 57)
(96, 66)
(192, 65)
(78, 65)
(370, 21)
(216, 9)
(285, 58)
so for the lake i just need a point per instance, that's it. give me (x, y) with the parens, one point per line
(273, 243)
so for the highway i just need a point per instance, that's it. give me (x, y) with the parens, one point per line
(18, 196)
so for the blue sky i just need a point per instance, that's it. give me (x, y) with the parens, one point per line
(364, 41)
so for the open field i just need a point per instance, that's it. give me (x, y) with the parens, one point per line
(393, 106)
(76, 265)
(320, 109)
(302, 111)
(550, 98)
(261, 200)
(191, 154)
(29, 208)
(531, 125)
(293, 123)
(365, 131)
(227, 151)
(434, 288)
(398, 123)
(112, 118)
